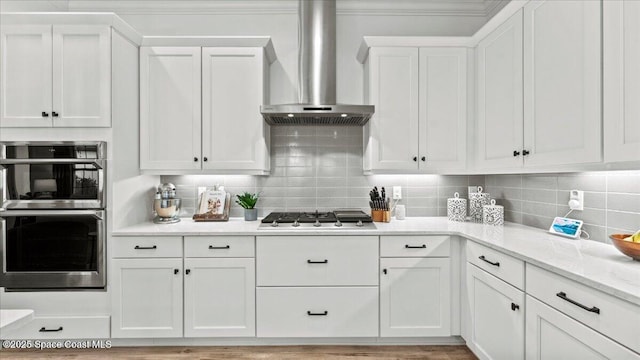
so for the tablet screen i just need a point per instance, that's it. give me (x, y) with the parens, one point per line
(566, 227)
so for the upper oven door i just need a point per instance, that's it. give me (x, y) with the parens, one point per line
(52, 177)
(52, 249)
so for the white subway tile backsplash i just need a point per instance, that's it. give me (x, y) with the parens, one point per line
(321, 167)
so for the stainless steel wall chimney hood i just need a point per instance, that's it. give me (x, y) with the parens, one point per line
(317, 74)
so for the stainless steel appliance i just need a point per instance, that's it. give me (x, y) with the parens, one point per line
(52, 218)
(337, 219)
(317, 74)
(52, 175)
(166, 205)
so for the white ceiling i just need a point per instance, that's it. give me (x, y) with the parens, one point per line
(481, 8)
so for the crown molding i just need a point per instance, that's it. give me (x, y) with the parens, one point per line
(473, 8)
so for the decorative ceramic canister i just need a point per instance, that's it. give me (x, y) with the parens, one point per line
(476, 201)
(493, 214)
(457, 208)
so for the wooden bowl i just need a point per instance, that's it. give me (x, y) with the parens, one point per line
(628, 248)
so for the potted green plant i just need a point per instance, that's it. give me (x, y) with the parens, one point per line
(248, 202)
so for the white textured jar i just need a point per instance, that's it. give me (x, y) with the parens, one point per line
(476, 201)
(457, 208)
(493, 214)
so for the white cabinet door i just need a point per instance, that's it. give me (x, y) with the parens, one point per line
(415, 297)
(219, 297)
(81, 76)
(443, 108)
(496, 312)
(170, 108)
(621, 80)
(553, 335)
(234, 134)
(147, 298)
(392, 141)
(25, 88)
(499, 89)
(562, 67)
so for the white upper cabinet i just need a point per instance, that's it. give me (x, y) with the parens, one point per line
(393, 130)
(562, 85)
(234, 135)
(200, 109)
(499, 94)
(81, 76)
(443, 108)
(26, 76)
(170, 108)
(420, 96)
(621, 80)
(56, 75)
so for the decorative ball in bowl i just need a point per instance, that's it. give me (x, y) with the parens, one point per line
(629, 248)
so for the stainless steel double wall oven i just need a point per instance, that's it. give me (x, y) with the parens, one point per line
(52, 215)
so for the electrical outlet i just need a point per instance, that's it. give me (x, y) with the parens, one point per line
(397, 192)
(576, 200)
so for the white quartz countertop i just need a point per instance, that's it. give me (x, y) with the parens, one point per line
(589, 262)
(13, 319)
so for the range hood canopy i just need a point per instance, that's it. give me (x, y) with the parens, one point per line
(317, 74)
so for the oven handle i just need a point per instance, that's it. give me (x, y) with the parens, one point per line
(97, 162)
(98, 214)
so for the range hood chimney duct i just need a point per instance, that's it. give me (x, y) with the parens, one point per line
(317, 74)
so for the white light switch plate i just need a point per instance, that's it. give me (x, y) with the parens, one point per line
(397, 192)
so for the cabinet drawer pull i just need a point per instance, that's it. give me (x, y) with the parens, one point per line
(138, 247)
(54, 114)
(211, 247)
(516, 153)
(525, 152)
(481, 257)
(45, 114)
(325, 313)
(44, 329)
(188, 271)
(423, 246)
(514, 307)
(195, 159)
(562, 295)
(415, 158)
(325, 261)
(175, 271)
(424, 158)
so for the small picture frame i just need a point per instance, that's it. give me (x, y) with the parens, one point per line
(566, 227)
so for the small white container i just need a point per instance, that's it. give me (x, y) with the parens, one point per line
(401, 212)
(457, 208)
(476, 202)
(493, 214)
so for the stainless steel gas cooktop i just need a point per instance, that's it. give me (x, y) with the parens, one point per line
(337, 219)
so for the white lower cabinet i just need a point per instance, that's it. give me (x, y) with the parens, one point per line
(497, 317)
(553, 335)
(219, 297)
(415, 297)
(147, 298)
(317, 311)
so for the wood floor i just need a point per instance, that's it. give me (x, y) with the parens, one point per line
(250, 353)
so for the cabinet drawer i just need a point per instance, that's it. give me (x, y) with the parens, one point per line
(317, 312)
(147, 247)
(317, 260)
(68, 327)
(219, 246)
(606, 314)
(415, 246)
(503, 266)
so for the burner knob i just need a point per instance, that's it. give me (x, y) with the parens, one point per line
(338, 223)
(295, 224)
(317, 223)
(359, 223)
(274, 223)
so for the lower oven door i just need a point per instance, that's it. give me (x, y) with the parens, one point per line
(52, 249)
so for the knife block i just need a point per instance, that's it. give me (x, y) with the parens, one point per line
(381, 215)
